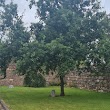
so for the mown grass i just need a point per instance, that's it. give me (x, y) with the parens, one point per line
(23, 98)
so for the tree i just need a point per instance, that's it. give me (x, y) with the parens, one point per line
(5, 57)
(59, 59)
(13, 35)
(99, 56)
(71, 28)
(31, 63)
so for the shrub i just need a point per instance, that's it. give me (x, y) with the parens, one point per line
(34, 80)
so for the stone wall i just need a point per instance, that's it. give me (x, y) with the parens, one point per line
(52, 79)
(11, 77)
(83, 81)
(88, 81)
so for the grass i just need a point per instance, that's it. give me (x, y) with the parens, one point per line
(23, 98)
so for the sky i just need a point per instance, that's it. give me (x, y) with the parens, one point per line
(106, 5)
(29, 15)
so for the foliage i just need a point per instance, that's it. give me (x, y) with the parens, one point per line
(71, 35)
(14, 31)
(34, 80)
(2, 2)
(31, 64)
(100, 56)
(70, 31)
(5, 57)
(32, 58)
(13, 35)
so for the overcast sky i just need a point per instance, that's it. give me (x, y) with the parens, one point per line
(29, 15)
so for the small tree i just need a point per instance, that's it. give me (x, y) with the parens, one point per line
(59, 59)
(31, 64)
(5, 57)
(13, 35)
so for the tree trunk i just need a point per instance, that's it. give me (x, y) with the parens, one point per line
(4, 75)
(4, 72)
(62, 86)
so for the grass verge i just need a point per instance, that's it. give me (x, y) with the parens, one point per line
(24, 98)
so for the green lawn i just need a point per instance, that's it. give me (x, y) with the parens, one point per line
(23, 98)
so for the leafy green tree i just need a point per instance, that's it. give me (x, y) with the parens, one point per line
(34, 80)
(59, 59)
(13, 33)
(71, 28)
(5, 57)
(37, 30)
(99, 56)
(31, 63)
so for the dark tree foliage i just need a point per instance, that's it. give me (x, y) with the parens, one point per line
(5, 57)
(70, 34)
(34, 80)
(13, 35)
(2, 2)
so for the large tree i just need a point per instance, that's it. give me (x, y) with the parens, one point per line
(72, 30)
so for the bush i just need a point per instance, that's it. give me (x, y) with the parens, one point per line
(34, 80)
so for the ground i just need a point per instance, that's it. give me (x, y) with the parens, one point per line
(23, 98)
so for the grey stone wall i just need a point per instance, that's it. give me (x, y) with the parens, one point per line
(88, 81)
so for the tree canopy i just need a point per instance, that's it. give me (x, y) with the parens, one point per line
(71, 32)
(13, 35)
(70, 35)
